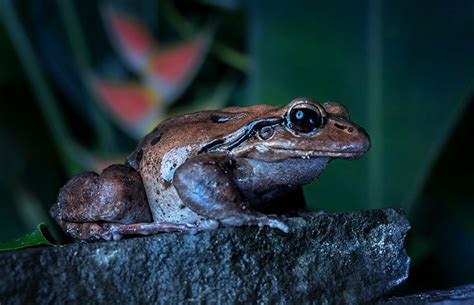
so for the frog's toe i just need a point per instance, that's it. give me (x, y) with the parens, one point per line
(274, 222)
(192, 229)
(207, 224)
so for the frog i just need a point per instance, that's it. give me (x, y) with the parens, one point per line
(233, 167)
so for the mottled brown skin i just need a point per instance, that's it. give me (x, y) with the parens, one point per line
(199, 171)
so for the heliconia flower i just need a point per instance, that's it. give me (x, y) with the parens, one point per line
(130, 38)
(171, 69)
(131, 104)
(164, 72)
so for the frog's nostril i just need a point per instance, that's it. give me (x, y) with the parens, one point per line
(340, 126)
(349, 129)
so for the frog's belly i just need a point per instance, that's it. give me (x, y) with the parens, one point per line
(167, 206)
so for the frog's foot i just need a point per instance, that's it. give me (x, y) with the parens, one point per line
(206, 186)
(120, 230)
(260, 220)
(207, 224)
(90, 231)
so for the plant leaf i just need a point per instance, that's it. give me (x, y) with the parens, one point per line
(39, 237)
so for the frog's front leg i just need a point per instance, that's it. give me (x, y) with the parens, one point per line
(109, 206)
(205, 184)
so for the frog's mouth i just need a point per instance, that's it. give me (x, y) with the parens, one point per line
(296, 153)
(279, 153)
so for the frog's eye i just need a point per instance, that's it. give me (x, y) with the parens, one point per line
(304, 118)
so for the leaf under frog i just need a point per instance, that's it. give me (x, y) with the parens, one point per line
(40, 236)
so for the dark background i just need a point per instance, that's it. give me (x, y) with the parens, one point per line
(404, 69)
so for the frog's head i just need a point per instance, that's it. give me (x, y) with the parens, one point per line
(306, 129)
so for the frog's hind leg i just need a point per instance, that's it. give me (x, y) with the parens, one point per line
(91, 231)
(93, 207)
(205, 184)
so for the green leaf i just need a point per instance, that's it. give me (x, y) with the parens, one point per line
(39, 237)
(404, 70)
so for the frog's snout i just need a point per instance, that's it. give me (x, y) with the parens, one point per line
(353, 141)
(363, 144)
(360, 141)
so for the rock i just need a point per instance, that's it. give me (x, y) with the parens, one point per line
(325, 258)
(455, 296)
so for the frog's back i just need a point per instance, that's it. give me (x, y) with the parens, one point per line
(194, 130)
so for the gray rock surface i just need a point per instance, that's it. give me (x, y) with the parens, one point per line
(463, 295)
(325, 259)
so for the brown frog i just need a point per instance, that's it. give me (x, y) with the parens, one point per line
(233, 167)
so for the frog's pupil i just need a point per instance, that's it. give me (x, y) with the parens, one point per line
(299, 114)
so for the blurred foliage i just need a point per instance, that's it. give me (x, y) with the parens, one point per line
(387, 66)
(404, 69)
